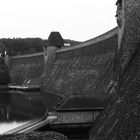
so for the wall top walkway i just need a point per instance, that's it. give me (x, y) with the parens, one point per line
(29, 55)
(95, 40)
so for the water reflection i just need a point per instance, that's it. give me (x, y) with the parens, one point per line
(4, 108)
(18, 107)
(10, 125)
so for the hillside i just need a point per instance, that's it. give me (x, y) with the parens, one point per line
(22, 46)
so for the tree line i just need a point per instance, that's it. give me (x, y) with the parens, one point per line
(19, 46)
(22, 46)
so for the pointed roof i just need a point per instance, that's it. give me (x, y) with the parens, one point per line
(55, 39)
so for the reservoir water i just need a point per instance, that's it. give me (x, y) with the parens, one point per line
(20, 107)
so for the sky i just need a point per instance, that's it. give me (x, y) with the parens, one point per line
(78, 20)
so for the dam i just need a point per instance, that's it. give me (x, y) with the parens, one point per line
(86, 91)
(68, 83)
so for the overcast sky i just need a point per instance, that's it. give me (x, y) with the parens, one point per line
(75, 19)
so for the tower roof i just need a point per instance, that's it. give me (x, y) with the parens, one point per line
(55, 39)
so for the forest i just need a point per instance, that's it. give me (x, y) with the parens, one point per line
(22, 46)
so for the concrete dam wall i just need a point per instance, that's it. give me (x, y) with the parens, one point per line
(81, 69)
(120, 120)
(26, 67)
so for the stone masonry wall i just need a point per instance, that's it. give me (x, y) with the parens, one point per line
(24, 68)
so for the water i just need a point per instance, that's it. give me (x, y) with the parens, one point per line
(20, 107)
(8, 126)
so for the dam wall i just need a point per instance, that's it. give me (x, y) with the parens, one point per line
(26, 67)
(84, 68)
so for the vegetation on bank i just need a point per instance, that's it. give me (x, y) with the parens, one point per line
(21, 46)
